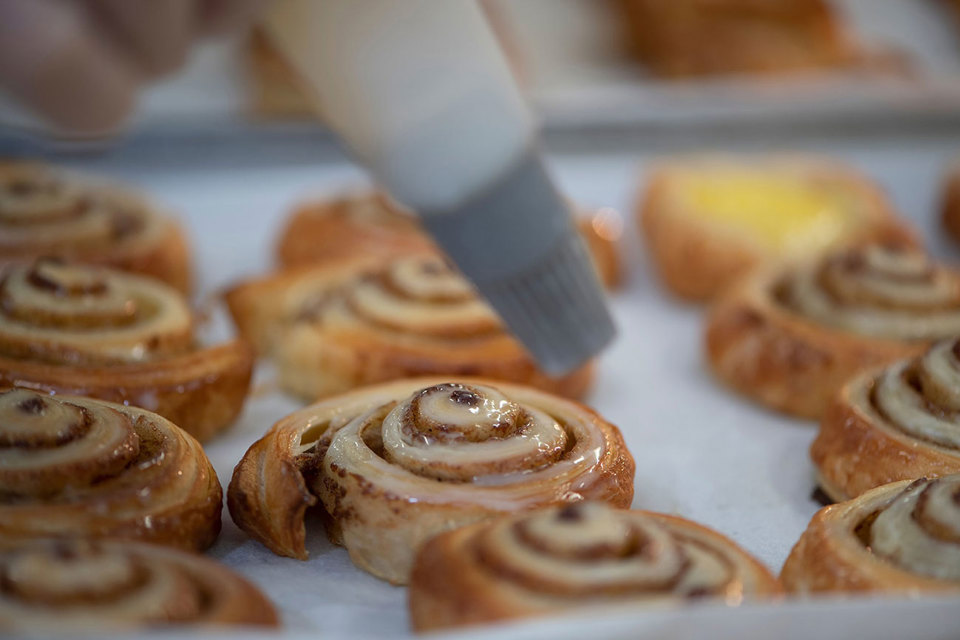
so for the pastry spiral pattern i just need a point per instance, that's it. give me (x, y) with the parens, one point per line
(369, 224)
(330, 329)
(899, 423)
(48, 212)
(878, 292)
(74, 466)
(397, 463)
(903, 537)
(119, 337)
(575, 555)
(790, 338)
(86, 585)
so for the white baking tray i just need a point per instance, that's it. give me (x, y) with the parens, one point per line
(701, 452)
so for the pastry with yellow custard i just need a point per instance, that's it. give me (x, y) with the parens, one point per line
(709, 219)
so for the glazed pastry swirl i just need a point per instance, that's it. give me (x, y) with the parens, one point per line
(72, 585)
(396, 463)
(333, 328)
(920, 530)
(880, 292)
(64, 314)
(902, 537)
(119, 337)
(46, 212)
(575, 555)
(80, 467)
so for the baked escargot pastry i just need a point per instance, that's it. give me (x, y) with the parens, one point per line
(790, 337)
(899, 423)
(710, 219)
(45, 211)
(902, 537)
(369, 224)
(82, 586)
(580, 555)
(97, 332)
(396, 463)
(77, 467)
(333, 328)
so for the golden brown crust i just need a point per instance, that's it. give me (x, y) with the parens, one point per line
(783, 360)
(85, 585)
(950, 207)
(307, 320)
(707, 37)
(458, 580)
(108, 471)
(99, 224)
(383, 507)
(97, 347)
(698, 258)
(369, 224)
(833, 554)
(858, 448)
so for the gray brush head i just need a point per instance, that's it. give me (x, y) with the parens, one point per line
(517, 243)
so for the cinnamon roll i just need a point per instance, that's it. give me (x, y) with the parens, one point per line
(46, 212)
(709, 219)
(790, 338)
(336, 327)
(83, 586)
(896, 424)
(369, 224)
(120, 337)
(74, 466)
(579, 555)
(902, 537)
(397, 463)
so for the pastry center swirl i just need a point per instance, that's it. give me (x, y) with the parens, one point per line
(922, 397)
(878, 291)
(43, 208)
(48, 445)
(59, 312)
(82, 574)
(919, 530)
(421, 295)
(589, 549)
(460, 432)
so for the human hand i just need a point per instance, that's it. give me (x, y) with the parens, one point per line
(79, 63)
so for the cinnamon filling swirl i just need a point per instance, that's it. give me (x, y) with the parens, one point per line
(922, 397)
(63, 313)
(919, 530)
(588, 549)
(879, 291)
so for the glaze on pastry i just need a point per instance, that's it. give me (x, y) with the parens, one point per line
(120, 337)
(333, 328)
(74, 466)
(83, 586)
(899, 423)
(684, 38)
(47, 212)
(396, 463)
(331, 231)
(902, 537)
(587, 554)
(791, 337)
(708, 220)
